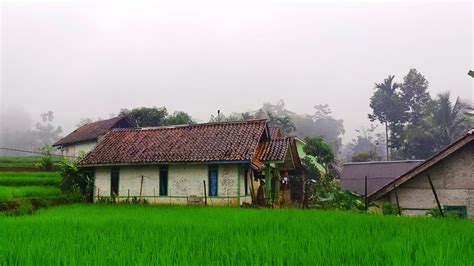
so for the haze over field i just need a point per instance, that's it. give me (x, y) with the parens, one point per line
(92, 59)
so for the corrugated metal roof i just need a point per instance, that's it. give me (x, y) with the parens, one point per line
(378, 174)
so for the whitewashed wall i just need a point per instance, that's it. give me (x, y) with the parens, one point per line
(76, 149)
(184, 181)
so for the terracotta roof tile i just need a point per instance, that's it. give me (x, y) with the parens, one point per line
(229, 141)
(92, 130)
(273, 150)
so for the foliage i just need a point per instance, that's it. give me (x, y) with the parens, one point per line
(366, 140)
(74, 183)
(366, 156)
(284, 122)
(317, 147)
(215, 236)
(389, 208)
(156, 116)
(179, 118)
(446, 121)
(471, 73)
(447, 214)
(146, 116)
(46, 163)
(327, 194)
(419, 126)
(32, 139)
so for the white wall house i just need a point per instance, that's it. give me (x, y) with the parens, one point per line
(215, 163)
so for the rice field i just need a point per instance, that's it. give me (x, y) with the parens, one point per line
(30, 179)
(24, 163)
(9, 193)
(164, 235)
(15, 185)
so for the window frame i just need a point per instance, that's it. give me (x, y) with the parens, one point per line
(211, 168)
(114, 170)
(163, 169)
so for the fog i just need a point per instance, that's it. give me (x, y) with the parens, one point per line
(92, 59)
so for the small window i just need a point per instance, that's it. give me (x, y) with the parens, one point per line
(114, 181)
(213, 180)
(246, 182)
(461, 211)
(164, 181)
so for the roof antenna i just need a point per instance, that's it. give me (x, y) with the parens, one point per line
(218, 115)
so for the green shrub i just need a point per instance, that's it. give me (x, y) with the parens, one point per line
(389, 208)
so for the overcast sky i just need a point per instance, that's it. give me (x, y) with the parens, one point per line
(90, 60)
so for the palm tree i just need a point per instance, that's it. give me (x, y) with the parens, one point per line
(447, 121)
(285, 122)
(385, 105)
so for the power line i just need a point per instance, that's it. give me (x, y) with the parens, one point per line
(35, 152)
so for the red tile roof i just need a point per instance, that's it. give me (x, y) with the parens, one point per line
(273, 150)
(93, 130)
(275, 132)
(227, 141)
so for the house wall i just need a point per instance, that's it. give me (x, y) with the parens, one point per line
(453, 180)
(74, 150)
(185, 182)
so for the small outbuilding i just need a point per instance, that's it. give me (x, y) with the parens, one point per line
(451, 174)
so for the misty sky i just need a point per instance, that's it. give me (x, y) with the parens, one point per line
(90, 60)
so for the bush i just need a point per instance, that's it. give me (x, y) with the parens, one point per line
(78, 185)
(389, 208)
(46, 163)
(435, 213)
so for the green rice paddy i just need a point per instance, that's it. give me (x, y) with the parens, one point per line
(164, 235)
(24, 163)
(29, 179)
(14, 185)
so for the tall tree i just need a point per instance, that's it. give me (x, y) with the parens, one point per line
(387, 108)
(415, 97)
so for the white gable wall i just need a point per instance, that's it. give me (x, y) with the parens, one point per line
(453, 180)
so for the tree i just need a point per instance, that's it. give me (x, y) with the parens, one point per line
(317, 147)
(284, 122)
(146, 116)
(366, 141)
(179, 118)
(366, 156)
(415, 97)
(446, 121)
(387, 108)
(45, 132)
